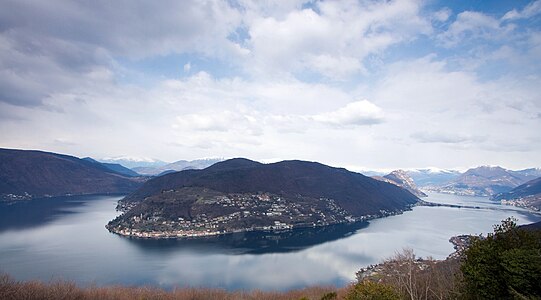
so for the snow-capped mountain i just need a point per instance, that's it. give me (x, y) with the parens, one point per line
(178, 166)
(432, 176)
(133, 161)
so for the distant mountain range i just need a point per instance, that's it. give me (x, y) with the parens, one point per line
(486, 181)
(527, 195)
(480, 181)
(402, 179)
(240, 194)
(27, 174)
(177, 166)
(30, 174)
(117, 168)
(432, 176)
(133, 162)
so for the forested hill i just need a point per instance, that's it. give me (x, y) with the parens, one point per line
(27, 174)
(354, 192)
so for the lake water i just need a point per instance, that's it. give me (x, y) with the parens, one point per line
(65, 238)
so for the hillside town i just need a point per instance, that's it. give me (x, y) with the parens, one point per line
(245, 212)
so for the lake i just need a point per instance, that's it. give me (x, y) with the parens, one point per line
(65, 238)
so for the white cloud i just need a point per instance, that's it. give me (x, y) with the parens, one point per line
(40, 55)
(472, 25)
(455, 111)
(356, 113)
(289, 83)
(335, 40)
(219, 121)
(187, 67)
(532, 9)
(445, 137)
(442, 15)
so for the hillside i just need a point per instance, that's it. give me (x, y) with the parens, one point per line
(403, 180)
(238, 194)
(527, 195)
(27, 174)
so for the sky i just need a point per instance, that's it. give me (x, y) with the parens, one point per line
(365, 85)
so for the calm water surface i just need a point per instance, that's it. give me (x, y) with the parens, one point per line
(65, 238)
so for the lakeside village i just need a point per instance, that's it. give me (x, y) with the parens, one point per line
(531, 203)
(248, 212)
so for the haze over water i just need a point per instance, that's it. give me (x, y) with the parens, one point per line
(65, 238)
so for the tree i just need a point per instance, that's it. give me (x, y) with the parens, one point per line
(369, 290)
(504, 265)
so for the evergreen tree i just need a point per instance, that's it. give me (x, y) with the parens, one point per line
(504, 265)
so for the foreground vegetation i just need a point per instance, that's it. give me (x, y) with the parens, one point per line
(505, 264)
(11, 289)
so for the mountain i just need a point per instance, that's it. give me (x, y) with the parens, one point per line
(117, 168)
(403, 180)
(133, 162)
(27, 174)
(287, 177)
(527, 174)
(240, 194)
(527, 195)
(432, 176)
(484, 181)
(177, 166)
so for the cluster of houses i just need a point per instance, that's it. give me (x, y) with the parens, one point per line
(247, 212)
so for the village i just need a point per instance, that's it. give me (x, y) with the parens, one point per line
(247, 212)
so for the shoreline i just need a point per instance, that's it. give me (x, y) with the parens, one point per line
(194, 234)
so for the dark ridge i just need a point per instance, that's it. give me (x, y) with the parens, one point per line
(167, 172)
(232, 164)
(26, 174)
(354, 192)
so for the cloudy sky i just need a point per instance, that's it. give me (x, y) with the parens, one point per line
(359, 84)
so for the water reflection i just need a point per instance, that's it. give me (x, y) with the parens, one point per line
(67, 240)
(254, 242)
(34, 213)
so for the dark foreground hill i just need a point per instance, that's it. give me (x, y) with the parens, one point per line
(241, 194)
(27, 174)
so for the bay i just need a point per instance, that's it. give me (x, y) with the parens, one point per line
(65, 238)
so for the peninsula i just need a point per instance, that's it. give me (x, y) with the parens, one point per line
(242, 195)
